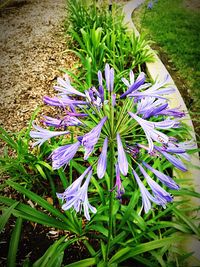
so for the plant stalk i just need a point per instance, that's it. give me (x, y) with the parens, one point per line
(111, 197)
(111, 201)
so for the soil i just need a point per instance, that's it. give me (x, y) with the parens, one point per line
(193, 4)
(32, 43)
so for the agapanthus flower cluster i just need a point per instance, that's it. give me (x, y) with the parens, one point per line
(136, 123)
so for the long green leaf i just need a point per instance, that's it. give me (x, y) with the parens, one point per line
(37, 199)
(83, 263)
(30, 214)
(129, 252)
(6, 215)
(187, 221)
(13, 245)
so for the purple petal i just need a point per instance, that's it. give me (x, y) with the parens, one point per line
(165, 179)
(176, 162)
(102, 162)
(90, 139)
(146, 196)
(133, 87)
(122, 160)
(62, 155)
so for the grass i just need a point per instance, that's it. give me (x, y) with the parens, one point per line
(175, 30)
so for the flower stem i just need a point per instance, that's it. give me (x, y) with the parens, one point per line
(111, 201)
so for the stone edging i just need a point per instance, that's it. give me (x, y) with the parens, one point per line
(157, 71)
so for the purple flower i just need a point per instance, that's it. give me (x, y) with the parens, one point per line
(154, 90)
(77, 196)
(133, 150)
(42, 135)
(176, 162)
(165, 179)
(94, 97)
(109, 76)
(113, 99)
(74, 187)
(65, 87)
(49, 121)
(180, 149)
(102, 162)
(150, 5)
(62, 155)
(66, 121)
(118, 183)
(174, 112)
(101, 90)
(152, 133)
(149, 107)
(134, 85)
(74, 114)
(62, 102)
(146, 196)
(90, 139)
(161, 195)
(122, 160)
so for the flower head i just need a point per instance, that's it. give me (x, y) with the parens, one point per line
(136, 120)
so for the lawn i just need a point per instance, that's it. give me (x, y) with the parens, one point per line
(174, 26)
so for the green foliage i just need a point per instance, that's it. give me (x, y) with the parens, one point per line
(18, 161)
(175, 28)
(104, 39)
(14, 241)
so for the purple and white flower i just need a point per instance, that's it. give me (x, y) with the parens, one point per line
(157, 90)
(146, 196)
(102, 161)
(118, 184)
(122, 160)
(62, 155)
(134, 85)
(62, 101)
(90, 139)
(109, 76)
(150, 131)
(165, 179)
(160, 194)
(174, 160)
(66, 88)
(66, 121)
(76, 196)
(42, 135)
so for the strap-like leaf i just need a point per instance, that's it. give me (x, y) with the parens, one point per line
(6, 215)
(13, 245)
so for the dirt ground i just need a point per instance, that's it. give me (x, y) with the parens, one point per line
(193, 4)
(32, 42)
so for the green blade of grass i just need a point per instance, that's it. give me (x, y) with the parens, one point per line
(6, 215)
(13, 245)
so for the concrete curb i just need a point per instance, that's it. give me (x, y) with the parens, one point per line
(157, 71)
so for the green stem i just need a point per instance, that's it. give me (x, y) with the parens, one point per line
(111, 201)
